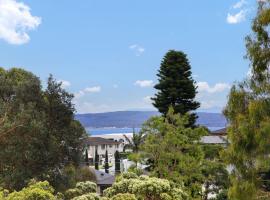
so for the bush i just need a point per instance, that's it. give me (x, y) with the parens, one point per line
(71, 175)
(144, 187)
(87, 187)
(128, 175)
(71, 193)
(90, 196)
(81, 188)
(125, 196)
(37, 191)
(133, 168)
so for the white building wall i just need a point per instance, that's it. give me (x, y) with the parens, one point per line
(101, 150)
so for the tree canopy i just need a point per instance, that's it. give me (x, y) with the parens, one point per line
(38, 133)
(174, 151)
(248, 113)
(176, 86)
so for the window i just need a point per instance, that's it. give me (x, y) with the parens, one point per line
(110, 146)
(103, 146)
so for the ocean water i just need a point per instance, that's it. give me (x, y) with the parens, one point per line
(104, 131)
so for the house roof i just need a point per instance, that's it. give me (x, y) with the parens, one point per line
(103, 178)
(93, 141)
(214, 140)
(222, 131)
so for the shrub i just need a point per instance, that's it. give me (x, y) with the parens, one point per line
(37, 191)
(125, 196)
(86, 187)
(90, 196)
(144, 187)
(81, 188)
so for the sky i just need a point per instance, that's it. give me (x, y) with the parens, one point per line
(107, 53)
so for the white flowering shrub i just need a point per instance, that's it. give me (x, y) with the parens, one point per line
(90, 196)
(125, 196)
(82, 188)
(87, 187)
(35, 191)
(146, 188)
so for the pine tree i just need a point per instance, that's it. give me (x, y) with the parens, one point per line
(176, 87)
(117, 162)
(106, 162)
(96, 160)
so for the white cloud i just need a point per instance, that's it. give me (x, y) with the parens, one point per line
(211, 104)
(81, 93)
(65, 84)
(139, 50)
(89, 107)
(219, 87)
(239, 4)
(15, 22)
(144, 83)
(92, 89)
(148, 100)
(236, 18)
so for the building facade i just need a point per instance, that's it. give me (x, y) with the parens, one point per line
(101, 145)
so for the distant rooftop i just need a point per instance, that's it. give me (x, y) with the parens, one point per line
(93, 141)
(214, 140)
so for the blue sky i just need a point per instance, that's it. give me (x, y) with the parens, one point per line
(108, 52)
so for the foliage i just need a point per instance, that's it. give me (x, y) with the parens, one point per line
(248, 113)
(249, 147)
(36, 191)
(134, 169)
(125, 196)
(117, 162)
(106, 162)
(38, 133)
(96, 160)
(214, 171)
(82, 188)
(136, 158)
(124, 155)
(174, 150)
(144, 187)
(70, 175)
(89, 196)
(135, 142)
(176, 87)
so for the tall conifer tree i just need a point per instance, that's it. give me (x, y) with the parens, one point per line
(176, 86)
(106, 162)
(96, 160)
(117, 162)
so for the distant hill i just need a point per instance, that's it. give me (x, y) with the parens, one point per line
(130, 119)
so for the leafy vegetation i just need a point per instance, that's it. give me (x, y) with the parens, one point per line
(41, 143)
(248, 113)
(176, 86)
(148, 188)
(174, 150)
(38, 133)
